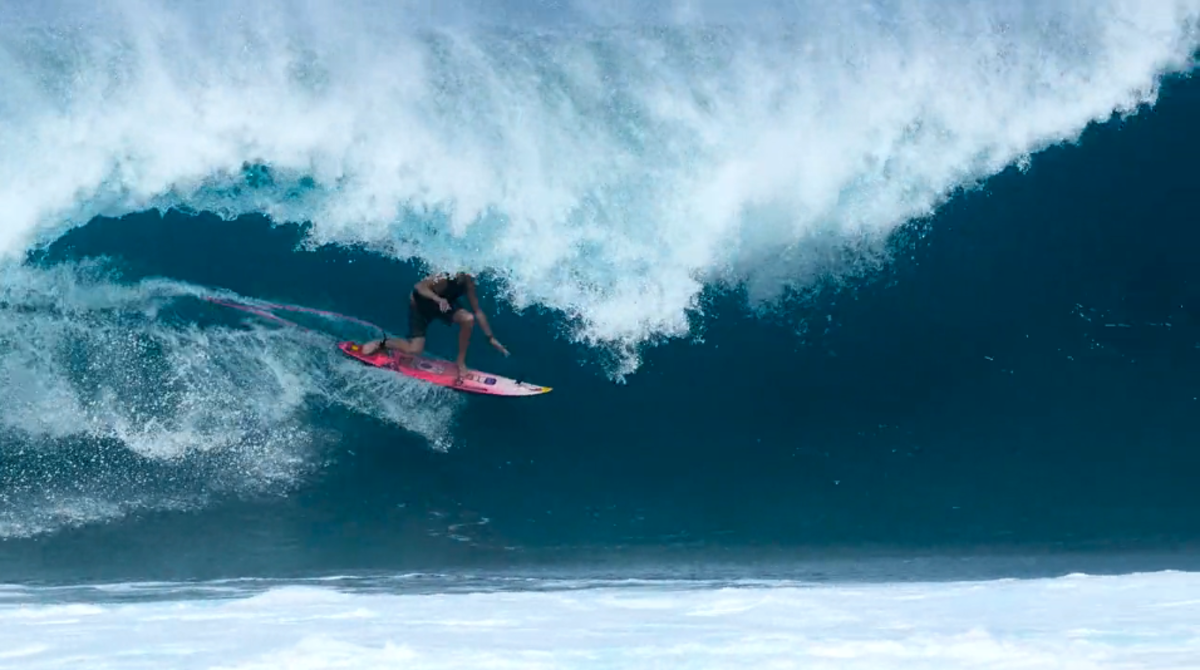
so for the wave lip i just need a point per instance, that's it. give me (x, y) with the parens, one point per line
(606, 173)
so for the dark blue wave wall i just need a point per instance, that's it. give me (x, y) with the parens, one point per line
(1025, 376)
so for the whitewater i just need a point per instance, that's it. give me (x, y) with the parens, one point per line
(1075, 622)
(608, 168)
(606, 165)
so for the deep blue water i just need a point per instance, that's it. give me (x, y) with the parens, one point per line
(1021, 379)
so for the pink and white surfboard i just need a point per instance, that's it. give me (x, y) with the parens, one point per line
(443, 372)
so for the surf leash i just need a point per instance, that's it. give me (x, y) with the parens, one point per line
(264, 310)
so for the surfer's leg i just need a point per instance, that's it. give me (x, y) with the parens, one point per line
(418, 323)
(466, 323)
(412, 346)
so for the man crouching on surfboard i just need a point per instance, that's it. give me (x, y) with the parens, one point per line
(436, 297)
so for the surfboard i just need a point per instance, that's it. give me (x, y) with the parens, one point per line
(442, 372)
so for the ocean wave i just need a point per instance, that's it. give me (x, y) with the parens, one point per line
(609, 167)
(124, 397)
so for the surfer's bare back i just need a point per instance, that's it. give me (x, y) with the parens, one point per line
(436, 298)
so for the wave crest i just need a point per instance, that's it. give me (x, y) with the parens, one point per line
(607, 173)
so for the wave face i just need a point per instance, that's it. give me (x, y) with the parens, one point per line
(889, 313)
(606, 167)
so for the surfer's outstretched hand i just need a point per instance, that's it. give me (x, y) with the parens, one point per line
(499, 347)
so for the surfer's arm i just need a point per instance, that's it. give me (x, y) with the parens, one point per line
(425, 288)
(480, 317)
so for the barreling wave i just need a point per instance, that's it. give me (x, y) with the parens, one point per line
(605, 165)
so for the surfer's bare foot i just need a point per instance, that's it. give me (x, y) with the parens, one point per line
(462, 371)
(371, 347)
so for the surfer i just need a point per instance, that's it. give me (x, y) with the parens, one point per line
(436, 297)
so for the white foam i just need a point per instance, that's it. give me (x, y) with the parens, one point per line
(1145, 621)
(85, 360)
(607, 173)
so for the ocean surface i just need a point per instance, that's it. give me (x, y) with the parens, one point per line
(873, 329)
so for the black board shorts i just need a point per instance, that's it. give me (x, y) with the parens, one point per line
(423, 311)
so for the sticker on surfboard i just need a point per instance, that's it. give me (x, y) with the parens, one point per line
(442, 372)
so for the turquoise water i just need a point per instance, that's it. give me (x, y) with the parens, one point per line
(814, 283)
